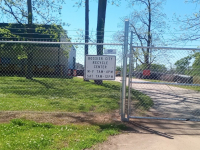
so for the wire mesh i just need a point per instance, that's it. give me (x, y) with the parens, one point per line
(165, 83)
(48, 78)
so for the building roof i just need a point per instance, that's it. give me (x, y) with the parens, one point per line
(23, 32)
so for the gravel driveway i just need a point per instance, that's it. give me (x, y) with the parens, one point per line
(169, 101)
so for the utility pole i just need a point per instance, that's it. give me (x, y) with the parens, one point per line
(102, 4)
(86, 27)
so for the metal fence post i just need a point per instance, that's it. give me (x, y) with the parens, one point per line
(123, 100)
(130, 75)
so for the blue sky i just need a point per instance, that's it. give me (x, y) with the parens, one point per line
(114, 14)
(76, 16)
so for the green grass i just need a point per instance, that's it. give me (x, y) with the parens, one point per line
(196, 80)
(68, 95)
(195, 88)
(153, 80)
(142, 101)
(51, 94)
(28, 135)
(64, 95)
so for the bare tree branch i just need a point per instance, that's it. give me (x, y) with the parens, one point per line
(11, 11)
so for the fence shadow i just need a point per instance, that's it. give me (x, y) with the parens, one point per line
(169, 103)
(165, 128)
(48, 86)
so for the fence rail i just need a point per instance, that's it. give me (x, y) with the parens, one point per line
(170, 93)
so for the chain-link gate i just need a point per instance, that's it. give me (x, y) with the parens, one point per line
(167, 94)
(166, 88)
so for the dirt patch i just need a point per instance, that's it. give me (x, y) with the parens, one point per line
(61, 118)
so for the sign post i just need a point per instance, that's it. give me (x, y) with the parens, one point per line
(100, 67)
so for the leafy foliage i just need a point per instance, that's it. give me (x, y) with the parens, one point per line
(196, 64)
(182, 64)
(6, 33)
(19, 32)
(118, 68)
(153, 67)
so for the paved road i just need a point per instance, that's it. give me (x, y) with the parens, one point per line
(169, 101)
(161, 134)
(156, 135)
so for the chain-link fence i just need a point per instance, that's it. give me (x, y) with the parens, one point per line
(48, 77)
(165, 88)
(49, 59)
(37, 60)
(165, 83)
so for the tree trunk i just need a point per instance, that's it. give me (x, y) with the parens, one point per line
(100, 29)
(29, 73)
(147, 55)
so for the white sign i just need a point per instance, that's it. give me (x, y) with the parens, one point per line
(109, 51)
(100, 67)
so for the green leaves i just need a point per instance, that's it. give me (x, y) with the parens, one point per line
(153, 67)
(7, 33)
(184, 64)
